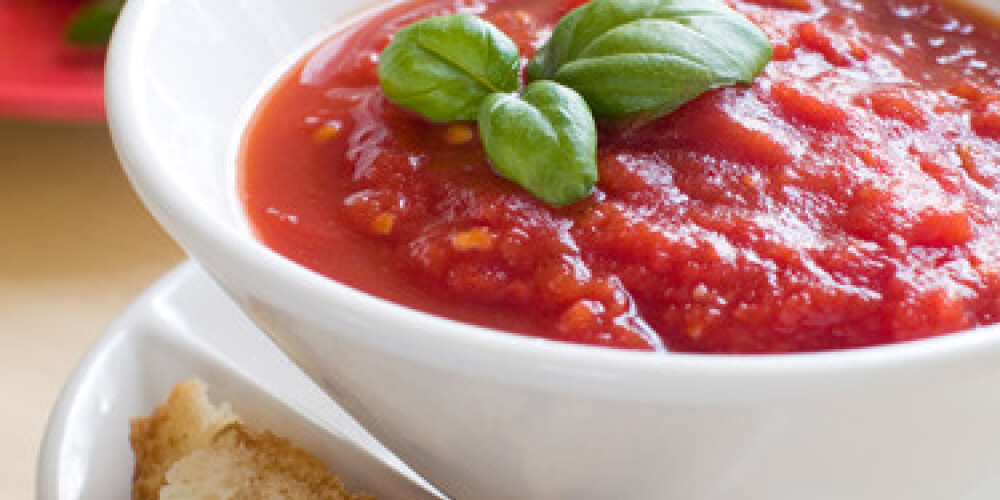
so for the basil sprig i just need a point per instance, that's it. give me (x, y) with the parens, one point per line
(650, 56)
(461, 68)
(609, 57)
(544, 140)
(443, 67)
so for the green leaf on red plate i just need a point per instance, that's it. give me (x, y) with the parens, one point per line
(92, 25)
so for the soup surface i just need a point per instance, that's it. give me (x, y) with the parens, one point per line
(850, 197)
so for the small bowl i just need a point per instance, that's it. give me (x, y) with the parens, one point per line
(488, 415)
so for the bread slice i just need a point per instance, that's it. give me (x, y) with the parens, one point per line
(189, 449)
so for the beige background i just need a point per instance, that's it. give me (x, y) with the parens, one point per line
(76, 247)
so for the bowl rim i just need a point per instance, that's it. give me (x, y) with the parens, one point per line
(193, 226)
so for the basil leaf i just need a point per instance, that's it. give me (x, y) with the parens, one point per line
(650, 56)
(443, 67)
(545, 140)
(93, 24)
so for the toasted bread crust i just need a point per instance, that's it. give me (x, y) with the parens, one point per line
(253, 465)
(185, 422)
(189, 449)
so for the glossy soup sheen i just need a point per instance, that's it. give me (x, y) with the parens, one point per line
(850, 197)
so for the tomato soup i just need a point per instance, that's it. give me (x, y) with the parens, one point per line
(849, 197)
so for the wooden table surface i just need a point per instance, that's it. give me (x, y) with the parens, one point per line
(76, 247)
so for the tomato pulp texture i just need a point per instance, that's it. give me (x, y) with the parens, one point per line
(849, 197)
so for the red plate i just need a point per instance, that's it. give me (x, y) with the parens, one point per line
(41, 76)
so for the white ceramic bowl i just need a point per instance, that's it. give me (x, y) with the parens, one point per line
(486, 415)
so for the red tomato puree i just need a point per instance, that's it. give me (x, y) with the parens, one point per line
(849, 197)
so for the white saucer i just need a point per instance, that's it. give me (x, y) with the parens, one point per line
(186, 326)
